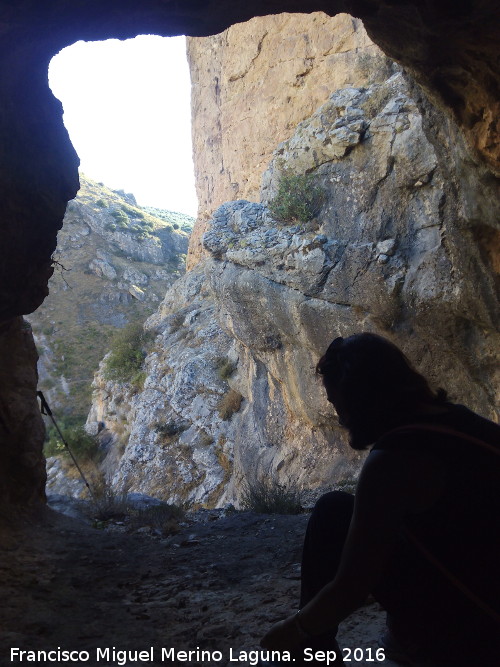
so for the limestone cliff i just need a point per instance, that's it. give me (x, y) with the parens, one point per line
(401, 246)
(253, 84)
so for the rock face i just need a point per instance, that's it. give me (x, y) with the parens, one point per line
(252, 85)
(385, 254)
(170, 440)
(212, 413)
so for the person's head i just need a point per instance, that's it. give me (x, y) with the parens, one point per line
(372, 385)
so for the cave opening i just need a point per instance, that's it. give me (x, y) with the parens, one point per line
(239, 188)
(49, 577)
(345, 57)
(124, 238)
(126, 106)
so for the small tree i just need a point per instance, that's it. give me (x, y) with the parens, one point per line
(298, 199)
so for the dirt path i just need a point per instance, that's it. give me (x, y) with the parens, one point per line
(217, 585)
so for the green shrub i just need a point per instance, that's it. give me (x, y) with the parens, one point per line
(138, 380)
(268, 496)
(299, 198)
(225, 367)
(101, 203)
(121, 218)
(131, 211)
(83, 446)
(128, 351)
(171, 428)
(53, 446)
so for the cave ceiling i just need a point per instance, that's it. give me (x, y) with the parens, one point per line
(451, 49)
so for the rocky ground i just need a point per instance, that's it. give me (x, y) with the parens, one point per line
(218, 584)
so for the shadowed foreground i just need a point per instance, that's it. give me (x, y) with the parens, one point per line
(216, 585)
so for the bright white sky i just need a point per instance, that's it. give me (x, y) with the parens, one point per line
(127, 111)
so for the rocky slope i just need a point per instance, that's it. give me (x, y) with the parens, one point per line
(113, 264)
(399, 247)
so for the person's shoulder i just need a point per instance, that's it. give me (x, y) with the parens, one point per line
(397, 476)
(472, 423)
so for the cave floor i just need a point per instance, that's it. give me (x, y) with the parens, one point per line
(217, 585)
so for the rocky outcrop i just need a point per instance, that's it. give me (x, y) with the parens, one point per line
(212, 414)
(384, 254)
(253, 84)
(170, 439)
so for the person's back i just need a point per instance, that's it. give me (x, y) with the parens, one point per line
(450, 604)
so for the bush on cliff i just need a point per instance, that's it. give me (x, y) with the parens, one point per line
(268, 496)
(298, 199)
(128, 351)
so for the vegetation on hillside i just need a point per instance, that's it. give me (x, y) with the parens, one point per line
(83, 446)
(75, 325)
(128, 352)
(144, 222)
(180, 221)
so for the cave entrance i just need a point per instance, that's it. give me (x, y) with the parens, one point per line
(124, 239)
(127, 110)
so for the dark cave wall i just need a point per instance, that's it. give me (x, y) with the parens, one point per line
(450, 48)
(38, 175)
(22, 479)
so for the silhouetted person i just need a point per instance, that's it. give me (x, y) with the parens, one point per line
(422, 532)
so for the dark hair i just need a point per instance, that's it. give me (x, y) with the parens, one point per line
(372, 385)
